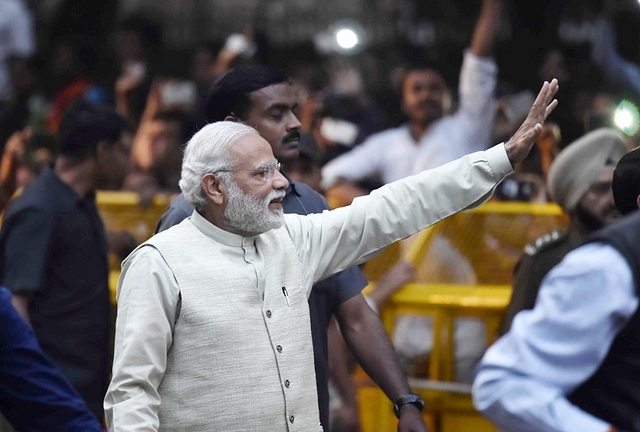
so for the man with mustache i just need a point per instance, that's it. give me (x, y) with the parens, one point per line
(263, 97)
(433, 135)
(580, 182)
(213, 325)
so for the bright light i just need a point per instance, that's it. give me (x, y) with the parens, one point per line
(627, 117)
(346, 38)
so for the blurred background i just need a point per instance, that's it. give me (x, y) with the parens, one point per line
(349, 46)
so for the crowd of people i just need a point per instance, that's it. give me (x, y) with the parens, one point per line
(240, 313)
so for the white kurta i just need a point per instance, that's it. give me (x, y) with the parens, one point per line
(149, 297)
(394, 154)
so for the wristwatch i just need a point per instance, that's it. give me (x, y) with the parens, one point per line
(412, 399)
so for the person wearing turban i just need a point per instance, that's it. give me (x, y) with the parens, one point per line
(579, 181)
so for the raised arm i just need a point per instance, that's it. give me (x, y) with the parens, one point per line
(486, 30)
(332, 241)
(520, 143)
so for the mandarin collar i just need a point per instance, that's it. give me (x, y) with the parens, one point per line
(218, 234)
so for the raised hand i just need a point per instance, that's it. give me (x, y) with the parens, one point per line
(520, 143)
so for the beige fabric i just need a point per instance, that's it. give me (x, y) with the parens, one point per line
(576, 167)
(236, 343)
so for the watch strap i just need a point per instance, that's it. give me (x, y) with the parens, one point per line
(412, 399)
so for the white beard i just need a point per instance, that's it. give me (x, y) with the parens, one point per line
(248, 214)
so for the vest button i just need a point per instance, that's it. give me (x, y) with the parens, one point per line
(291, 418)
(287, 383)
(268, 314)
(279, 348)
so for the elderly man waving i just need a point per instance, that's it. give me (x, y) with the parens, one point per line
(213, 324)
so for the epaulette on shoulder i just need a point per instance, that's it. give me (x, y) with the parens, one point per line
(543, 242)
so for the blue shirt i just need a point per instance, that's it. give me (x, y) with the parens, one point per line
(523, 380)
(34, 395)
(326, 296)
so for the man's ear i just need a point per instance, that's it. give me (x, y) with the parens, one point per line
(213, 188)
(638, 201)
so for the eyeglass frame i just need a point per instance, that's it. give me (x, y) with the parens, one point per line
(266, 169)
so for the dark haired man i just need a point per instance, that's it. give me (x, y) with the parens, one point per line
(157, 153)
(433, 134)
(53, 252)
(264, 98)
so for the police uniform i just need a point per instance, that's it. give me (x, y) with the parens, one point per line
(539, 257)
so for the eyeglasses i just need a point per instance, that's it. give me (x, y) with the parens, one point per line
(264, 172)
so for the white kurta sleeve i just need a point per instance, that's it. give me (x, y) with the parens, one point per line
(337, 239)
(362, 161)
(148, 303)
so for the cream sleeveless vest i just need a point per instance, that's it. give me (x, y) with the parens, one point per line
(237, 362)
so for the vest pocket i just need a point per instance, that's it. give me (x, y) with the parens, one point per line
(293, 294)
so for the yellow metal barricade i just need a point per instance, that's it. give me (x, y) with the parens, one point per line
(122, 211)
(464, 267)
(464, 270)
(489, 240)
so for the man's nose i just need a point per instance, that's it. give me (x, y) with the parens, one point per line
(279, 181)
(293, 123)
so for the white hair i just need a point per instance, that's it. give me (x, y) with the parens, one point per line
(207, 152)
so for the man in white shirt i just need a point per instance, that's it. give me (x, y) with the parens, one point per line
(432, 136)
(213, 327)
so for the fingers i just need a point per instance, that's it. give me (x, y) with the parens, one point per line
(550, 108)
(551, 91)
(540, 98)
(544, 103)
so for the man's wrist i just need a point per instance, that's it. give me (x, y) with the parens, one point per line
(409, 399)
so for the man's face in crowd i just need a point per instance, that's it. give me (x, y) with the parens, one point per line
(598, 200)
(273, 114)
(113, 163)
(254, 205)
(423, 95)
(165, 142)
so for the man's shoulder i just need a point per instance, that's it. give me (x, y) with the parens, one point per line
(548, 243)
(178, 237)
(179, 209)
(35, 197)
(311, 200)
(180, 203)
(171, 234)
(383, 135)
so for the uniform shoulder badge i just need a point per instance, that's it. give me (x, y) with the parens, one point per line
(543, 241)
